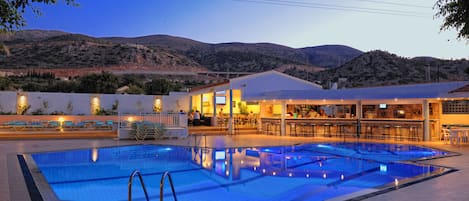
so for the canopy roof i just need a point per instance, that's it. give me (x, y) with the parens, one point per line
(413, 91)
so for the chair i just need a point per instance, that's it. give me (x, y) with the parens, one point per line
(68, 125)
(445, 135)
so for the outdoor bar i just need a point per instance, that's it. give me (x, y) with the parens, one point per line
(406, 112)
(278, 104)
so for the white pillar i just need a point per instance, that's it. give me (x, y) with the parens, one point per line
(214, 113)
(230, 121)
(426, 120)
(359, 115)
(282, 119)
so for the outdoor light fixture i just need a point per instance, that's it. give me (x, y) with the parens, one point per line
(157, 105)
(21, 104)
(95, 105)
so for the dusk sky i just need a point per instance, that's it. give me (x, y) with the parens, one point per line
(406, 28)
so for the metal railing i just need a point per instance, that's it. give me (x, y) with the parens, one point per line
(167, 119)
(136, 172)
(166, 174)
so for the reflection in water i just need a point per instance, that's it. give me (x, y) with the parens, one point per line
(314, 160)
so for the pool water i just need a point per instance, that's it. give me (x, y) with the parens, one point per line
(287, 173)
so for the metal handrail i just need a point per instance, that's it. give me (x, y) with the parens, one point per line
(136, 172)
(166, 174)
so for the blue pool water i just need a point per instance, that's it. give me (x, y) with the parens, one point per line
(287, 173)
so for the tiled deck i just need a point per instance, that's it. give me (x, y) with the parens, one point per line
(452, 186)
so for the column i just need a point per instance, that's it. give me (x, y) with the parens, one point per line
(230, 121)
(359, 114)
(282, 119)
(426, 120)
(214, 113)
(190, 105)
(201, 104)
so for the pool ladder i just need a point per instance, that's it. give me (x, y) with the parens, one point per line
(166, 174)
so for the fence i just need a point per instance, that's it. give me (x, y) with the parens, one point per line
(169, 120)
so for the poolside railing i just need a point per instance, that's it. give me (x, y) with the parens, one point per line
(169, 120)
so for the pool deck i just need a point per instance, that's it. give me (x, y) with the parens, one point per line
(452, 186)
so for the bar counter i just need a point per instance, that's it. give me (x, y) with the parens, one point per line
(376, 128)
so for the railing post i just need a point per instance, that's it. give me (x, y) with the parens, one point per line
(166, 174)
(136, 172)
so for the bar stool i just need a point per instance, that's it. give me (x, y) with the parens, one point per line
(327, 129)
(397, 132)
(292, 129)
(414, 133)
(368, 131)
(313, 129)
(340, 129)
(303, 129)
(276, 128)
(386, 131)
(266, 127)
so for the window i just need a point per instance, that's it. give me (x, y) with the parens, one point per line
(456, 107)
(221, 100)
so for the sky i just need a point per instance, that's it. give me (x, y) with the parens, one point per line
(405, 28)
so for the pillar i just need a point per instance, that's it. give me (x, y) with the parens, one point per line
(282, 119)
(214, 113)
(201, 104)
(426, 120)
(230, 121)
(190, 105)
(359, 114)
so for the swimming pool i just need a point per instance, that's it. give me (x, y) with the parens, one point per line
(297, 172)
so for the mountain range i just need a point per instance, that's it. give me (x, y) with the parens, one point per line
(75, 54)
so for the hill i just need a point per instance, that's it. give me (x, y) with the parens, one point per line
(59, 50)
(376, 68)
(80, 51)
(241, 53)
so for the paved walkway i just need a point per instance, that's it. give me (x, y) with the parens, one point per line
(453, 186)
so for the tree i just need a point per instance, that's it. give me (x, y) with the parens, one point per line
(11, 12)
(98, 83)
(456, 14)
(158, 87)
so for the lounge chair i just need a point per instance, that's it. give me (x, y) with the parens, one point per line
(68, 125)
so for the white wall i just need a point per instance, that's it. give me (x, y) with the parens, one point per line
(59, 102)
(81, 103)
(8, 101)
(176, 101)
